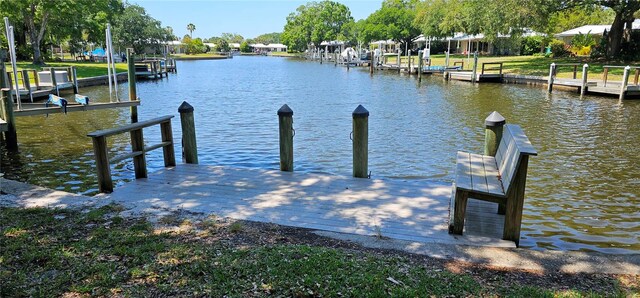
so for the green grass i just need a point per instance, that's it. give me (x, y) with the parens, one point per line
(198, 56)
(536, 65)
(83, 69)
(49, 253)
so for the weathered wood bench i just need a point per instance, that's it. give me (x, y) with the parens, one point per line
(500, 179)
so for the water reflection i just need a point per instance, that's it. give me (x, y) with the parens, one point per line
(583, 188)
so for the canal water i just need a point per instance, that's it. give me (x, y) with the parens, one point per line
(583, 190)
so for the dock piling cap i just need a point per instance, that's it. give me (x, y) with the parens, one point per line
(495, 119)
(185, 107)
(360, 112)
(285, 110)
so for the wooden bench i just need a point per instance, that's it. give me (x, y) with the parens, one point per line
(500, 179)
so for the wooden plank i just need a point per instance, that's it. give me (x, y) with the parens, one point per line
(130, 127)
(478, 174)
(75, 108)
(463, 171)
(120, 158)
(494, 185)
(521, 140)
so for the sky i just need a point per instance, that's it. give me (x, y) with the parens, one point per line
(248, 18)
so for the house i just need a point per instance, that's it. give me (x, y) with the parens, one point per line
(595, 30)
(272, 47)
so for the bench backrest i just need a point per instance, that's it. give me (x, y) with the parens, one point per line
(513, 145)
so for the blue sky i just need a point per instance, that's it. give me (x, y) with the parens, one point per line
(248, 18)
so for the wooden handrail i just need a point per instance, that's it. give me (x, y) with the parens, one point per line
(130, 127)
(492, 68)
(138, 149)
(618, 66)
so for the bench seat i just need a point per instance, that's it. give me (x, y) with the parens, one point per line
(500, 179)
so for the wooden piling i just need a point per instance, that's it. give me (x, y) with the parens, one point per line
(131, 75)
(636, 76)
(409, 63)
(105, 183)
(168, 152)
(26, 83)
(625, 82)
(53, 80)
(74, 79)
(420, 66)
(285, 121)
(189, 146)
(360, 142)
(10, 136)
(398, 62)
(4, 79)
(494, 125)
(583, 85)
(474, 74)
(139, 161)
(552, 73)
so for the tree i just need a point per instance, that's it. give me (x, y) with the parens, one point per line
(232, 37)
(394, 20)
(244, 47)
(60, 19)
(268, 38)
(134, 28)
(314, 23)
(621, 26)
(191, 27)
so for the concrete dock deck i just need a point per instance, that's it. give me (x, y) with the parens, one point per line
(406, 210)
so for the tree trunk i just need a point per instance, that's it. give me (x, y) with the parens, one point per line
(615, 36)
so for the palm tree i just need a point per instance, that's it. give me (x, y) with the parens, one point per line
(191, 27)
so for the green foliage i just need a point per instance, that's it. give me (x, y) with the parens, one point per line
(531, 45)
(577, 16)
(134, 28)
(193, 46)
(315, 22)
(268, 38)
(191, 27)
(232, 37)
(559, 48)
(221, 45)
(583, 40)
(244, 47)
(394, 20)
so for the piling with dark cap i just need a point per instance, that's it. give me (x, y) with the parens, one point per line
(189, 146)
(285, 121)
(360, 142)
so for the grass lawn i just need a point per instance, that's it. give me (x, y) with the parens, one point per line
(101, 253)
(83, 69)
(198, 56)
(536, 65)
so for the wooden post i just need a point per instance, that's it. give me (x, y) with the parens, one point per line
(26, 83)
(168, 152)
(131, 75)
(474, 73)
(74, 78)
(398, 62)
(494, 125)
(360, 142)
(575, 71)
(409, 63)
(446, 60)
(420, 65)
(336, 60)
(105, 184)
(371, 62)
(69, 74)
(36, 78)
(625, 82)
(4, 79)
(321, 51)
(605, 76)
(10, 136)
(583, 86)
(54, 83)
(552, 73)
(636, 77)
(513, 215)
(139, 161)
(189, 146)
(285, 121)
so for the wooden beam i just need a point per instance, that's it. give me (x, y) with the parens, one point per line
(130, 127)
(76, 108)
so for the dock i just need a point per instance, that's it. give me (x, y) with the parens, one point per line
(154, 69)
(628, 87)
(407, 210)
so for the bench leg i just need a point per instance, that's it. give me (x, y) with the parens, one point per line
(515, 204)
(460, 207)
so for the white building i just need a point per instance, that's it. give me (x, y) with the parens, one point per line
(595, 30)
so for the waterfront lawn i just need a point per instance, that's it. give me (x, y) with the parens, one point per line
(83, 69)
(198, 56)
(536, 65)
(99, 252)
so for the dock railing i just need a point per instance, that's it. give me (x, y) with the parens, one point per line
(605, 74)
(138, 149)
(494, 68)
